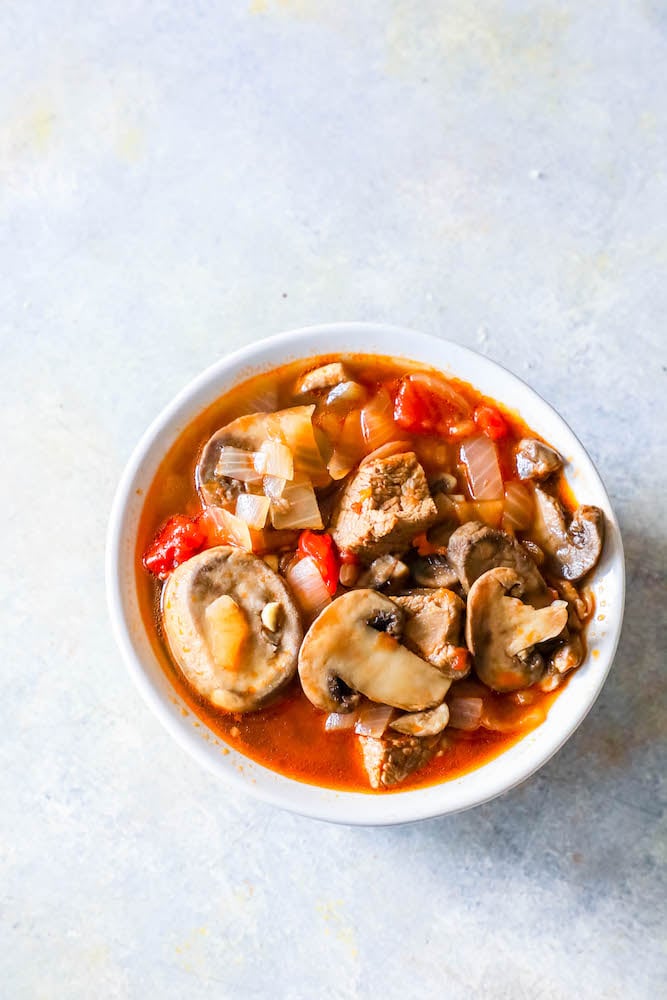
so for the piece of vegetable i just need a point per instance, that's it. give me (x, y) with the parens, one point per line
(273, 487)
(245, 466)
(377, 420)
(481, 461)
(296, 429)
(503, 717)
(277, 460)
(231, 529)
(179, 539)
(490, 422)
(322, 548)
(272, 615)
(338, 722)
(226, 630)
(349, 574)
(373, 719)
(519, 506)
(465, 713)
(428, 723)
(346, 394)
(308, 587)
(253, 509)
(425, 404)
(488, 511)
(301, 510)
(350, 446)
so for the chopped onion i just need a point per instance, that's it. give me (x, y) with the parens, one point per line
(346, 394)
(465, 713)
(518, 506)
(373, 719)
(278, 460)
(338, 721)
(261, 399)
(464, 428)
(350, 446)
(488, 511)
(233, 529)
(252, 509)
(377, 420)
(296, 508)
(308, 586)
(273, 486)
(245, 466)
(481, 460)
(298, 433)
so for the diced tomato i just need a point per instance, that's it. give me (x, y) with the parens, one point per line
(180, 538)
(322, 548)
(459, 661)
(423, 409)
(490, 422)
(348, 558)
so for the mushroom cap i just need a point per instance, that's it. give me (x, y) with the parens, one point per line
(343, 654)
(428, 723)
(536, 460)
(475, 548)
(502, 631)
(268, 658)
(573, 549)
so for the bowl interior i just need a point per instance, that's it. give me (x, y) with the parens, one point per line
(500, 774)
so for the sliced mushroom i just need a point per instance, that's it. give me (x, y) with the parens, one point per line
(474, 548)
(433, 629)
(385, 569)
(324, 377)
(434, 571)
(352, 647)
(568, 656)
(214, 611)
(536, 460)
(502, 632)
(572, 549)
(428, 723)
(390, 760)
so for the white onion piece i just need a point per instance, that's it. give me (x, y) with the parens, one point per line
(386, 451)
(373, 719)
(278, 460)
(308, 587)
(377, 420)
(253, 509)
(301, 511)
(233, 529)
(338, 722)
(465, 713)
(518, 506)
(481, 461)
(273, 487)
(245, 466)
(346, 394)
(262, 400)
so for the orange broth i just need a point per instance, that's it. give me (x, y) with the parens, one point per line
(288, 735)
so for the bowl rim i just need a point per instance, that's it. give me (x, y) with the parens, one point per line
(339, 806)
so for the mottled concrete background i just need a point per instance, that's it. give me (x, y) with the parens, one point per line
(181, 178)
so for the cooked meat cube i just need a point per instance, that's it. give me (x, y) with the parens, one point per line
(536, 460)
(383, 507)
(322, 378)
(391, 759)
(434, 620)
(475, 548)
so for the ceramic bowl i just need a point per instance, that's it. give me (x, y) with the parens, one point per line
(505, 771)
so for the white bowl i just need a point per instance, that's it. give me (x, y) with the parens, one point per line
(493, 778)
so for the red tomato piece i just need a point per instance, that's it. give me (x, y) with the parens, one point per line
(321, 548)
(179, 539)
(459, 661)
(490, 422)
(424, 409)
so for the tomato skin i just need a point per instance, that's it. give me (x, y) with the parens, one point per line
(322, 548)
(460, 660)
(421, 409)
(490, 422)
(179, 538)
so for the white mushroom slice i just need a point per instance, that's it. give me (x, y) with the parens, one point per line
(536, 460)
(572, 549)
(501, 631)
(352, 647)
(423, 723)
(213, 610)
(324, 377)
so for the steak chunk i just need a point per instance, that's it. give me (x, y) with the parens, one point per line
(383, 507)
(433, 629)
(391, 759)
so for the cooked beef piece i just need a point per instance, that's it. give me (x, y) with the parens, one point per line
(383, 507)
(392, 758)
(536, 460)
(475, 548)
(433, 628)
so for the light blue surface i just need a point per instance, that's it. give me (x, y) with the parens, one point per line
(177, 180)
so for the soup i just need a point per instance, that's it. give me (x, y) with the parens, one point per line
(364, 574)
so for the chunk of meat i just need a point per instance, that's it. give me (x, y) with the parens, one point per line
(383, 507)
(391, 759)
(324, 377)
(536, 460)
(433, 626)
(475, 548)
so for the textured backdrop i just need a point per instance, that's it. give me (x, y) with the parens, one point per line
(177, 179)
